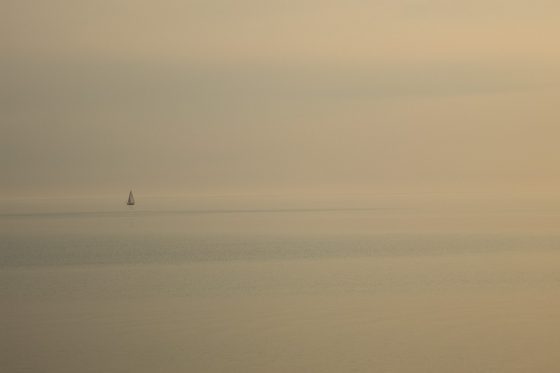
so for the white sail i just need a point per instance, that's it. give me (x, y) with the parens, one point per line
(130, 199)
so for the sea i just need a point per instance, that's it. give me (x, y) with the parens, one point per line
(275, 283)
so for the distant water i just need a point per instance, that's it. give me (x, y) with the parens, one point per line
(384, 284)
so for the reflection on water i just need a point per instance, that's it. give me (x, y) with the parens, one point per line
(394, 284)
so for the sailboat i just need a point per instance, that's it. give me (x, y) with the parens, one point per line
(130, 199)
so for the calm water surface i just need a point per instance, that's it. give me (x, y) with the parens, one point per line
(431, 284)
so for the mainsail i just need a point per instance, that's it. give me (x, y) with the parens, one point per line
(130, 199)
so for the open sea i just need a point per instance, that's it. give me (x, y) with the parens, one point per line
(394, 283)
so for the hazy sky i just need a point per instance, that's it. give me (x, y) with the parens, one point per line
(247, 96)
